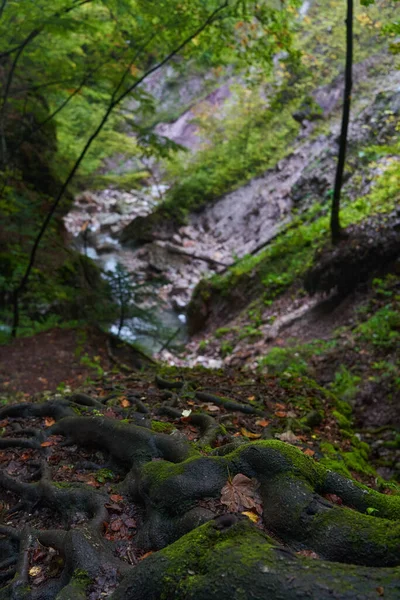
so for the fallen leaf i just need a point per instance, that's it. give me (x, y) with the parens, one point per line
(146, 555)
(280, 413)
(288, 437)
(252, 516)
(334, 499)
(250, 434)
(35, 571)
(241, 493)
(116, 498)
(125, 403)
(309, 452)
(49, 443)
(212, 407)
(186, 413)
(263, 423)
(307, 553)
(281, 406)
(49, 421)
(116, 525)
(251, 398)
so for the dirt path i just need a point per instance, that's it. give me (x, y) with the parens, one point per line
(44, 361)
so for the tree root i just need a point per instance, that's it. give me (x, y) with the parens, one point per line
(358, 554)
(228, 404)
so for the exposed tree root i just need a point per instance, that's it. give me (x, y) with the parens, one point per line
(199, 556)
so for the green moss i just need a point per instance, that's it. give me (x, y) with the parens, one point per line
(293, 459)
(356, 461)
(342, 421)
(226, 348)
(222, 331)
(162, 427)
(157, 472)
(81, 577)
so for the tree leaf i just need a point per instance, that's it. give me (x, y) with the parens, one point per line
(240, 494)
(288, 437)
(263, 423)
(251, 515)
(250, 434)
(309, 452)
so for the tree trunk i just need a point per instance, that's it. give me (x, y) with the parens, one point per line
(336, 230)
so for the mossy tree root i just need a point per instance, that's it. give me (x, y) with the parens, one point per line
(202, 557)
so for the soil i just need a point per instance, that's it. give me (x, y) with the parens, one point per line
(66, 357)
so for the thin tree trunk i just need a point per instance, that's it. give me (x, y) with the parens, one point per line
(114, 101)
(336, 230)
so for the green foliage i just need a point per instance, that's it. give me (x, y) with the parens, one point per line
(345, 384)
(222, 331)
(226, 349)
(382, 329)
(284, 360)
(203, 345)
(93, 362)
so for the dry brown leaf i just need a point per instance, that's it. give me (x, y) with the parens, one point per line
(125, 403)
(334, 499)
(288, 437)
(49, 421)
(263, 423)
(307, 553)
(146, 555)
(116, 498)
(212, 407)
(309, 452)
(281, 414)
(380, 590)
(116, 525)
(240, 494)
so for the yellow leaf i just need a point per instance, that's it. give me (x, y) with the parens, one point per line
(250, 434)
(34, 571)
(252, 516)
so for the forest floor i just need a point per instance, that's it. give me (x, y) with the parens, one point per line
(62, 477)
